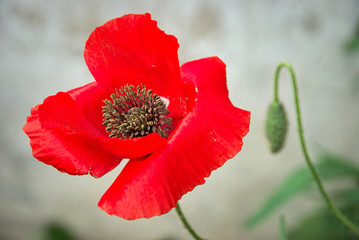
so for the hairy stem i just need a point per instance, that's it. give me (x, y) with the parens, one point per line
(186, 224)
(314, 172)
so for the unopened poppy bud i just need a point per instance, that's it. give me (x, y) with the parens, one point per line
(276, 126)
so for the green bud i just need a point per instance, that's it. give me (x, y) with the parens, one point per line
(276, 126)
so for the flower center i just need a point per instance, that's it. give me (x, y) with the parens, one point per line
(135, 113)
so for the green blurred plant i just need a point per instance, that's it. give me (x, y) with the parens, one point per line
(322, 225)
(300, 181)
(283, 229)
(54, 231)
(351, 47)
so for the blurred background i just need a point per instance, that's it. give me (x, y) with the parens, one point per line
(41, 53)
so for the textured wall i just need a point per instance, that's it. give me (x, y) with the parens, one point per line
(41, 47)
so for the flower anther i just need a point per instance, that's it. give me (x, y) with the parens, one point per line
(137, 113)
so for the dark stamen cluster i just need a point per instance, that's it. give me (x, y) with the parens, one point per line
(135, 113)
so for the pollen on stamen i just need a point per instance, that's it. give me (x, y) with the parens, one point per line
(135, 113)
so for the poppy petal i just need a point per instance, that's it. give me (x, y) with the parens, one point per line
(60, 112)
(89, 99)
(66, 152)
(209, 135)
(61, 136)
(133, 50)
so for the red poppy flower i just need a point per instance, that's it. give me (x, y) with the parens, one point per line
(174, 134)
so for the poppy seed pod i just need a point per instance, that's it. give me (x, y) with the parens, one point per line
(276, 126)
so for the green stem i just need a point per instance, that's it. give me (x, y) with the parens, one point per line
(186, 224)
(329, 202)
(283, 229)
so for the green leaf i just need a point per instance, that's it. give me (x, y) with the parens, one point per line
(54, 231)
(353, 44)
(300, 181)
(332, 166)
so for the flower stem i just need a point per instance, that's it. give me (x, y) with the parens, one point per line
(186, 224)
(283, 230)
(314, 172)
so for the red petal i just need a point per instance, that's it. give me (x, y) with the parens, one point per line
(208, 136)
(89, 99)
(61, 135)
(67, 152)
(133, 50)
(61, 113)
